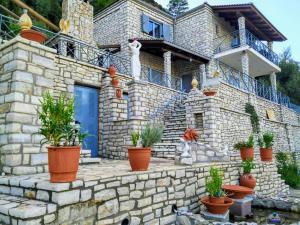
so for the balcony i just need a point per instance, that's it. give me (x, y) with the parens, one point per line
(262, 60)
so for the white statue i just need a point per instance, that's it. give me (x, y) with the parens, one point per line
(185, 148)
(135, 47)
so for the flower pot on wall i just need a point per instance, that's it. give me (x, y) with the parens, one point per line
(266, 154)
(247, 153)
(139, 158)
(33, 35)
(210, 93)
(247, 180)
(63, 163)
(115, 82)
(119, 93)
(217, 200)
(112, 71)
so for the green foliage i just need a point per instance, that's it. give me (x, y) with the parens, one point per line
(151, 135)
(214, 182)
(253, 117)
(15, 28)
(288, 169)
(177, 7)
(248, 165)
(245, 144)
(266, 141)
(57, 122)
(135, 136)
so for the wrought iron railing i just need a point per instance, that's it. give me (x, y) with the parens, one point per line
(179, 96)
(243, 37)
(247, 83)
(9, 28)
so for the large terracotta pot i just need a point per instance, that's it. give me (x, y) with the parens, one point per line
(209, 93)
(236, 191)
(139, 158)
(217, 200)
(63, 163)
(112, 71)
(217, 208)
(33, 35)
(247, 180)
(266, 154)
(247, 153)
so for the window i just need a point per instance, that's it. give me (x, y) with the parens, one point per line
(154, 29)
(156, 77)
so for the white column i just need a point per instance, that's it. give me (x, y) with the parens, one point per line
(270, 45)
(202, 69)
(168, 67)
(242, 30)
(274, 85)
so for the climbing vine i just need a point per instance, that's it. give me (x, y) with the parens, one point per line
(253, 117)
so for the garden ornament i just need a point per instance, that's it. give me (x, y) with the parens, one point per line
(135, 47)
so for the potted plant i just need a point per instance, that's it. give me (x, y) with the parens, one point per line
(209, 91)
(246, 148)
(62, 135)
(139, 157)
(216, 202)
(265, 143)
(247, 179)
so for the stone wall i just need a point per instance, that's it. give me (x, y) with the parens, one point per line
(142, 198)
(26, 70)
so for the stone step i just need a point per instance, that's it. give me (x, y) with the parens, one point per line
(89, 161)
(20, 210)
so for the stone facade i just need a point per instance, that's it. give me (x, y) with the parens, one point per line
(109, 197)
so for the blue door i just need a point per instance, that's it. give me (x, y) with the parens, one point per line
(187, 82)
(86, 114)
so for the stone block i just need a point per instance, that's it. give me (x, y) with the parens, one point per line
(108, 208)
(39, 159)
(105, 195)
(85, 195)
(127, 205)
(42, 195)
(23, 76)
(66, 198)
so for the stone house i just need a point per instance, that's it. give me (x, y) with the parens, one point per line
(201, 43)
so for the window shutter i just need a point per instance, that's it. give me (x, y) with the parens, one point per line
(167, 32)
(145, 23)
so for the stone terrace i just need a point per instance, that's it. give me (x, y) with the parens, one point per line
(108, 192)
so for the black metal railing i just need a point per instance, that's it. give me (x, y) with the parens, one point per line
(247, 83)
(243, 37)
(9, 29)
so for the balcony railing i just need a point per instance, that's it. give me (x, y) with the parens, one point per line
(240, 38)
(249, 84)
(9, 28)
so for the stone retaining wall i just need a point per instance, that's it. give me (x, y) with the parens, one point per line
(143, 198)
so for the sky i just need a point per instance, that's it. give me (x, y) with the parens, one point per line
(283, 14)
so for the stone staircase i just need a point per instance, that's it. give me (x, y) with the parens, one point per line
(174, 128)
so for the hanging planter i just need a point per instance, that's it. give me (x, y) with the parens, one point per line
(115, 82)
(265, 144)
(246, 148)
(119, 93)
(112, 71)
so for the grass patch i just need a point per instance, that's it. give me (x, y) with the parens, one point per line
(288, 168)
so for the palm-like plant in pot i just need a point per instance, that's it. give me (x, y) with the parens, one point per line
(62, 136)
(216, 202)
(139, 157)
(247, 179)
(246, 148)
(265, 143)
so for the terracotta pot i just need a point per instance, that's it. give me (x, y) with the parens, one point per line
(119, 93)
(266, 154)
(33, 35)
(210, 93)
(139, 158)
(217, 208)
(115, 82)
(112, 71)
(217, 200)
(63, 163)
(247, 153)
(247, 180)
(236, 191)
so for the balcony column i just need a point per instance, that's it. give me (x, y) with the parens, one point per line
(270, 45)
(202, 69)
(274, 85)
(168, 67)
(242, 30)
